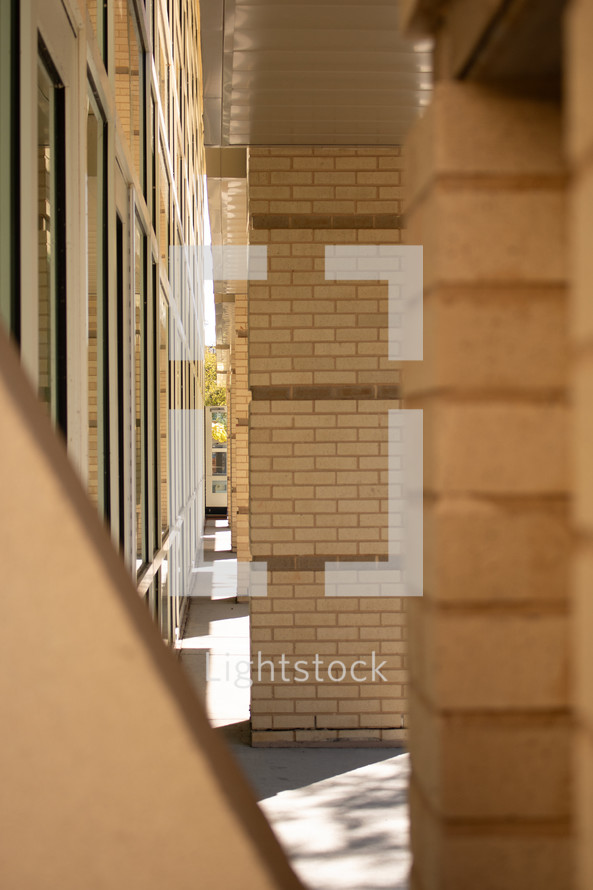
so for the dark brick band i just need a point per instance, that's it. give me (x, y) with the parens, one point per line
(326, 221)
(311, 563)
(302, 392)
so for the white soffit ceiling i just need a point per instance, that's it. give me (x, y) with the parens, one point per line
(310, 72)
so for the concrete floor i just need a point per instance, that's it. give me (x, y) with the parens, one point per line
(341, 815)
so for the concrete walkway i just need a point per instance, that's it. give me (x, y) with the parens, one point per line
(340, 814)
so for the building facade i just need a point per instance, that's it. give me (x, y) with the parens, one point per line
(103, 189)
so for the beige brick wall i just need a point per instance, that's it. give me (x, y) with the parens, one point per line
(232, 406)
(321, 386)
(238, 399)
(489, 650)
(241, 400)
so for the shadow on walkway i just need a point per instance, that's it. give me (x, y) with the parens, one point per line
(341, 814)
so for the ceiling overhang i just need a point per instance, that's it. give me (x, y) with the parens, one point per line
(298, 72)
(310, 72)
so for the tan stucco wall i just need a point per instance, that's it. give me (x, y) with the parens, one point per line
(490, 726)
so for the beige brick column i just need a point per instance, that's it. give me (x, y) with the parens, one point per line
(489, 666)
(231, 449)
(321, 388)
(580, 147)
(240, 398)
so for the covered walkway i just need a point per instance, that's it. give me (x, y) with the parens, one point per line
(340, 813)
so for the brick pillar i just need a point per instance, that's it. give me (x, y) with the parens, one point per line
(239, 403)
(321, 388)
(231, 450)
(489, 717)
(580, 147)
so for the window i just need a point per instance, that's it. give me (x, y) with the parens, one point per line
(155, 432)
(51, 202)
(219, 452)
(164, 409)
(140, 441)
(153, 164)
(166, 617)
(121, 451)
(97, 10)
(9, 169)
(163, 75)
(97, 312)
(164, 213)
(130, 85)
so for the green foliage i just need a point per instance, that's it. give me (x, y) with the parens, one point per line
(215, 395)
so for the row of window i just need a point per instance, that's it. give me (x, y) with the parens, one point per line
(111, 343)
(162, 36)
